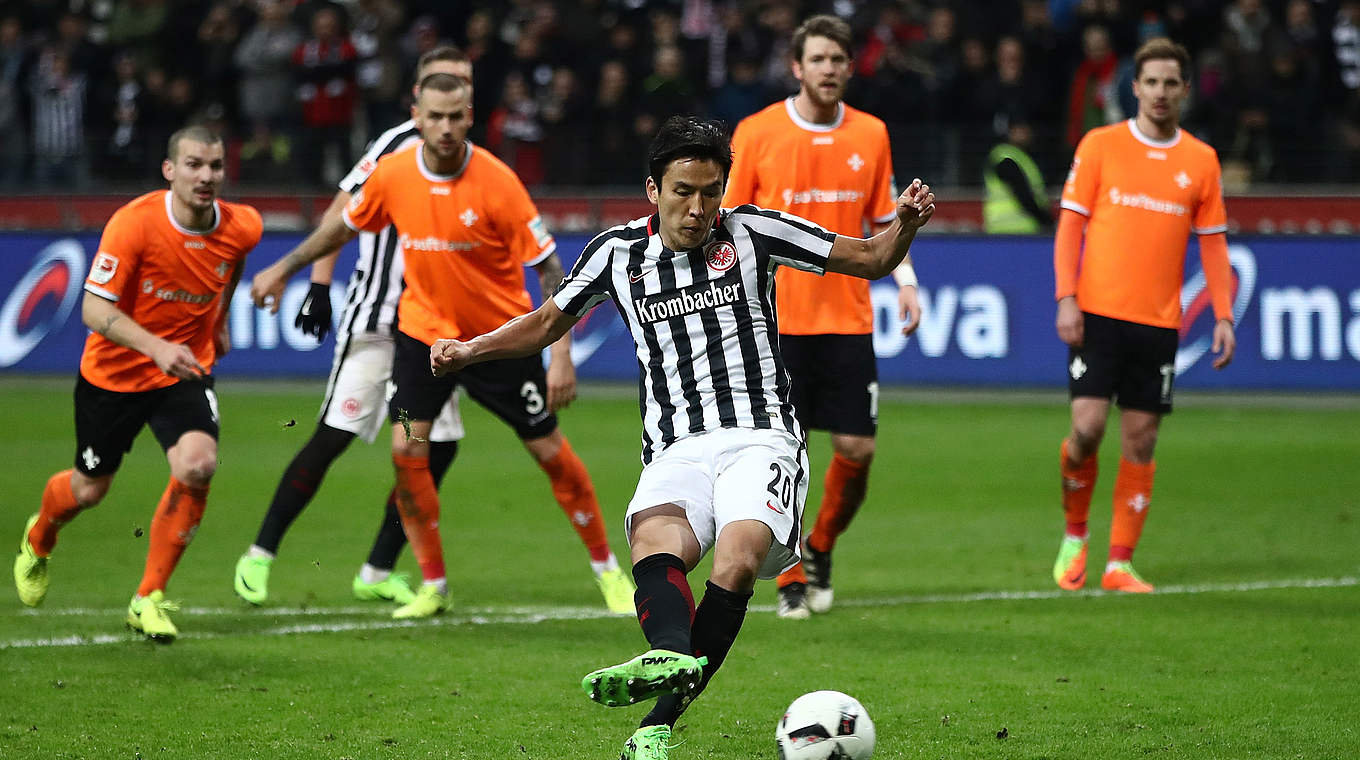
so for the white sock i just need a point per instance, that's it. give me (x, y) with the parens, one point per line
(370, 574)
(440, 584)
(255, 551)
(606, 566)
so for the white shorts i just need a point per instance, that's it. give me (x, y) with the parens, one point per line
(361, 383)
(727, 475)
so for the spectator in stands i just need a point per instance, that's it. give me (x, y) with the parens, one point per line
(122, 106)
(58, 100)
(1092, 100)
(613, 127)
(14, 55)
(514, 132)
(323, 66)
(741, 95)
(562, 110)
(73, 40)
(264, 59)
(217, 37)
(380, 73)
(666, 91)
(136, 26)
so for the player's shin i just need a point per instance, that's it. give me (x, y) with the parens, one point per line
(1078, 483)
(58, 506)
(418, 506)
(172, 529)
(1132, 498)
(665, 604)
(843, 492)
(717, 621)
(575, 493)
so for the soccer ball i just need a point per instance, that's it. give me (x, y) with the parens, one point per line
(825, 725)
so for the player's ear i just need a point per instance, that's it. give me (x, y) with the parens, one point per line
(653, 192)
(168, 170)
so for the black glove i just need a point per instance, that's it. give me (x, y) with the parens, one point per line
(314, 318)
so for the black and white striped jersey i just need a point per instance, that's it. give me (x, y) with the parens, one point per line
(703, 321)
(375, 287)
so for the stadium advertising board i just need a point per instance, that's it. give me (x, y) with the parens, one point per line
(988, 302)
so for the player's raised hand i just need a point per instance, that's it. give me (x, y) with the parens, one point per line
(916, 204)
(314, 316)
(176, 360)
(448, 356)
(266, 288)
(1225, 343)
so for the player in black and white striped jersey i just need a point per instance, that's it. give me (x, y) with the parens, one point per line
(355, 404)
(725, 459)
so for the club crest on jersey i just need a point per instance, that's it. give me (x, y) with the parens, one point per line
(223, 268)
(721, 255)
(1182, 180)
(103, 269)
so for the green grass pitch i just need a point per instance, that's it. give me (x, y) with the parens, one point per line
(948, 626)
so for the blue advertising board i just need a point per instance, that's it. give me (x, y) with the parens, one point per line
(988, 321)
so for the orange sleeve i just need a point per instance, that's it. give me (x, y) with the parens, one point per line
(120, 250)
(520, 225)
(1211, 215)
(1067, 252)
(882, 205)
(366, 209)
(741, 184)
(1083, 179)
(1213, 255)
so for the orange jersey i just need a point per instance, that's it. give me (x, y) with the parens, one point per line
(466, 238)
(169, 280)
(1142, 199)
(837, 175)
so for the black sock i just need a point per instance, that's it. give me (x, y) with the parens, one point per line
(299, 483)
(665, 604)
(716, 624)
(391, 537)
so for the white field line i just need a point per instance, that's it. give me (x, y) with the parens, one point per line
(527, 615)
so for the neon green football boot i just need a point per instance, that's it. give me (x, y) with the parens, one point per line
(618, 590)
(648, 743)
(148, 615)
(428, 602)
(650, 674)
(394, 588)
(30, 570)
(252, 578)
(1069, 570)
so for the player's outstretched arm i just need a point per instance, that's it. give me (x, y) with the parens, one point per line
(104, 317)
(267, 287)
(875, 257)
(521, 336)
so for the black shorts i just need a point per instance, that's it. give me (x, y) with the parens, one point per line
(516, 390)
(1132, 362)
(834, 381)
(107, 422)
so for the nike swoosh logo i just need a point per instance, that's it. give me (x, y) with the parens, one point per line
(247, 585)
(770, 506)
(638, 277)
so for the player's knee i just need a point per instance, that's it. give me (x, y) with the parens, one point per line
(736, 572)
(860, 451)
(1139, 447)
(1087, 434)
(89, 491)
(197, 470)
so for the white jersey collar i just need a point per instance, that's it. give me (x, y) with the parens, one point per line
(813, 126)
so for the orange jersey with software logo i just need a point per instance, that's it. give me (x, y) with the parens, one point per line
(169, 280)
(466, 238)
(1142, 199)
(838, 175)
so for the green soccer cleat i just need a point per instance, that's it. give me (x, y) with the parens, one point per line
(618, 591)
(148, 615)
(30, 570)
(252, 578)
(394, 588)
(1070, 568)
(648, 743)
(428, 602)
(650, 674)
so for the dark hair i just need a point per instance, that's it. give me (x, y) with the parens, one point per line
(442, 53)
(1161, 49)
(689, 137)
(830, 27)
(195, 132)
(442, 82)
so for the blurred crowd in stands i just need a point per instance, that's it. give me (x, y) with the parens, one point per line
(568, 92)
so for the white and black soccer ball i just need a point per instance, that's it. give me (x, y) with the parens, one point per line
(825, 725)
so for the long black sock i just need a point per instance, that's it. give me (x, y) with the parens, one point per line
(391, 538)
(665, 604)
(716, 624)
(299, 483)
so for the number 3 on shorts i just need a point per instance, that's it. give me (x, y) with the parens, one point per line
(533, 400)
